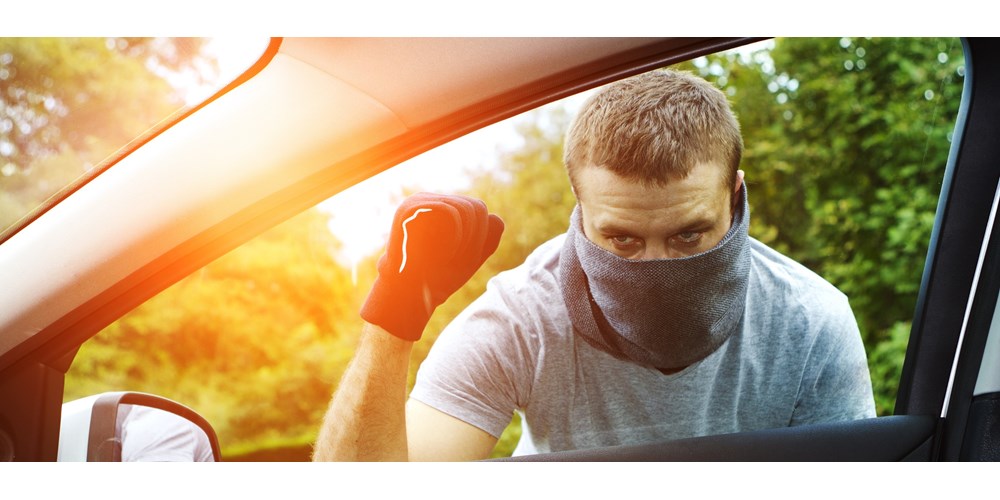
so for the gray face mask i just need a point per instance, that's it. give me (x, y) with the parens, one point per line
(665, 313)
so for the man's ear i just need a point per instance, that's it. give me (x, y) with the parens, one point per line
(736, 191)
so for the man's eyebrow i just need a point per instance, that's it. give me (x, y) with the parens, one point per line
(699, 224)
(612, 228)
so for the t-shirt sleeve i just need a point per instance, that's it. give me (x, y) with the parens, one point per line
(836, 385)
(480, 368)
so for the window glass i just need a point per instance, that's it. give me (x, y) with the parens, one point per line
(66, 104)
(846, 141)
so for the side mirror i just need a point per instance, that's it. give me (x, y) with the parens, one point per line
(134, 427)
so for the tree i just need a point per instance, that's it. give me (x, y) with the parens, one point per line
(66, 103)
(253, 341)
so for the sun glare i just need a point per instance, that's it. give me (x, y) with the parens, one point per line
(234, 55)
(360, 217)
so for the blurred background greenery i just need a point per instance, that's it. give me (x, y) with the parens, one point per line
(846, 144)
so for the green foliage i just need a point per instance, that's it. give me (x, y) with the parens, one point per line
(508, 440)
(254, 341)
(67, 103)
(885, 361)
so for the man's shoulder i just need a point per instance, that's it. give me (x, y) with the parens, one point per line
(781, 272)
(546, 255)
(787, 293)
(539, 269)
(528, 295)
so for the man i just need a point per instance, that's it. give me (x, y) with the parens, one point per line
(654, 317)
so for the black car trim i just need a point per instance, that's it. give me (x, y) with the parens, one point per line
(973, 292)
(874, 439)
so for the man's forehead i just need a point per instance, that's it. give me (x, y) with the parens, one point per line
(652, 227)
(597, 182)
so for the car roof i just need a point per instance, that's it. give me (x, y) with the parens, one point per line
(312, 117)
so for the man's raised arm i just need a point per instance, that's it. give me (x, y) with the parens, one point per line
(435, 245)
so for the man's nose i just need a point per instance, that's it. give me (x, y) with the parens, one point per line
(659, 251)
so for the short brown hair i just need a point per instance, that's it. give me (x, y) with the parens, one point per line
(653, 127)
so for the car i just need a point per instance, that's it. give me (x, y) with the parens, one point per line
(314, 116)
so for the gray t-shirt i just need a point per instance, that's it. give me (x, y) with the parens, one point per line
(799, 359)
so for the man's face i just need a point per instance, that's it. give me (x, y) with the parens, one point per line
(682, 218)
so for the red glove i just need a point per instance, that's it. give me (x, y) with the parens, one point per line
(436, 244)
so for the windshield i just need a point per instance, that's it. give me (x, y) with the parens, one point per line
(66, 104)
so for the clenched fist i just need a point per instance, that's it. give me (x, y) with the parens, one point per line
(437, 242)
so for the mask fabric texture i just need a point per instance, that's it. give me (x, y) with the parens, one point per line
(664, 313)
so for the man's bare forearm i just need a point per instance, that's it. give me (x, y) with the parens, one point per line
(366, 419)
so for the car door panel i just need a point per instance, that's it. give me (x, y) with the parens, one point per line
(874, 439)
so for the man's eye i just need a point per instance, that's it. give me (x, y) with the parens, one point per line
(689, 237)
(624, 241)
